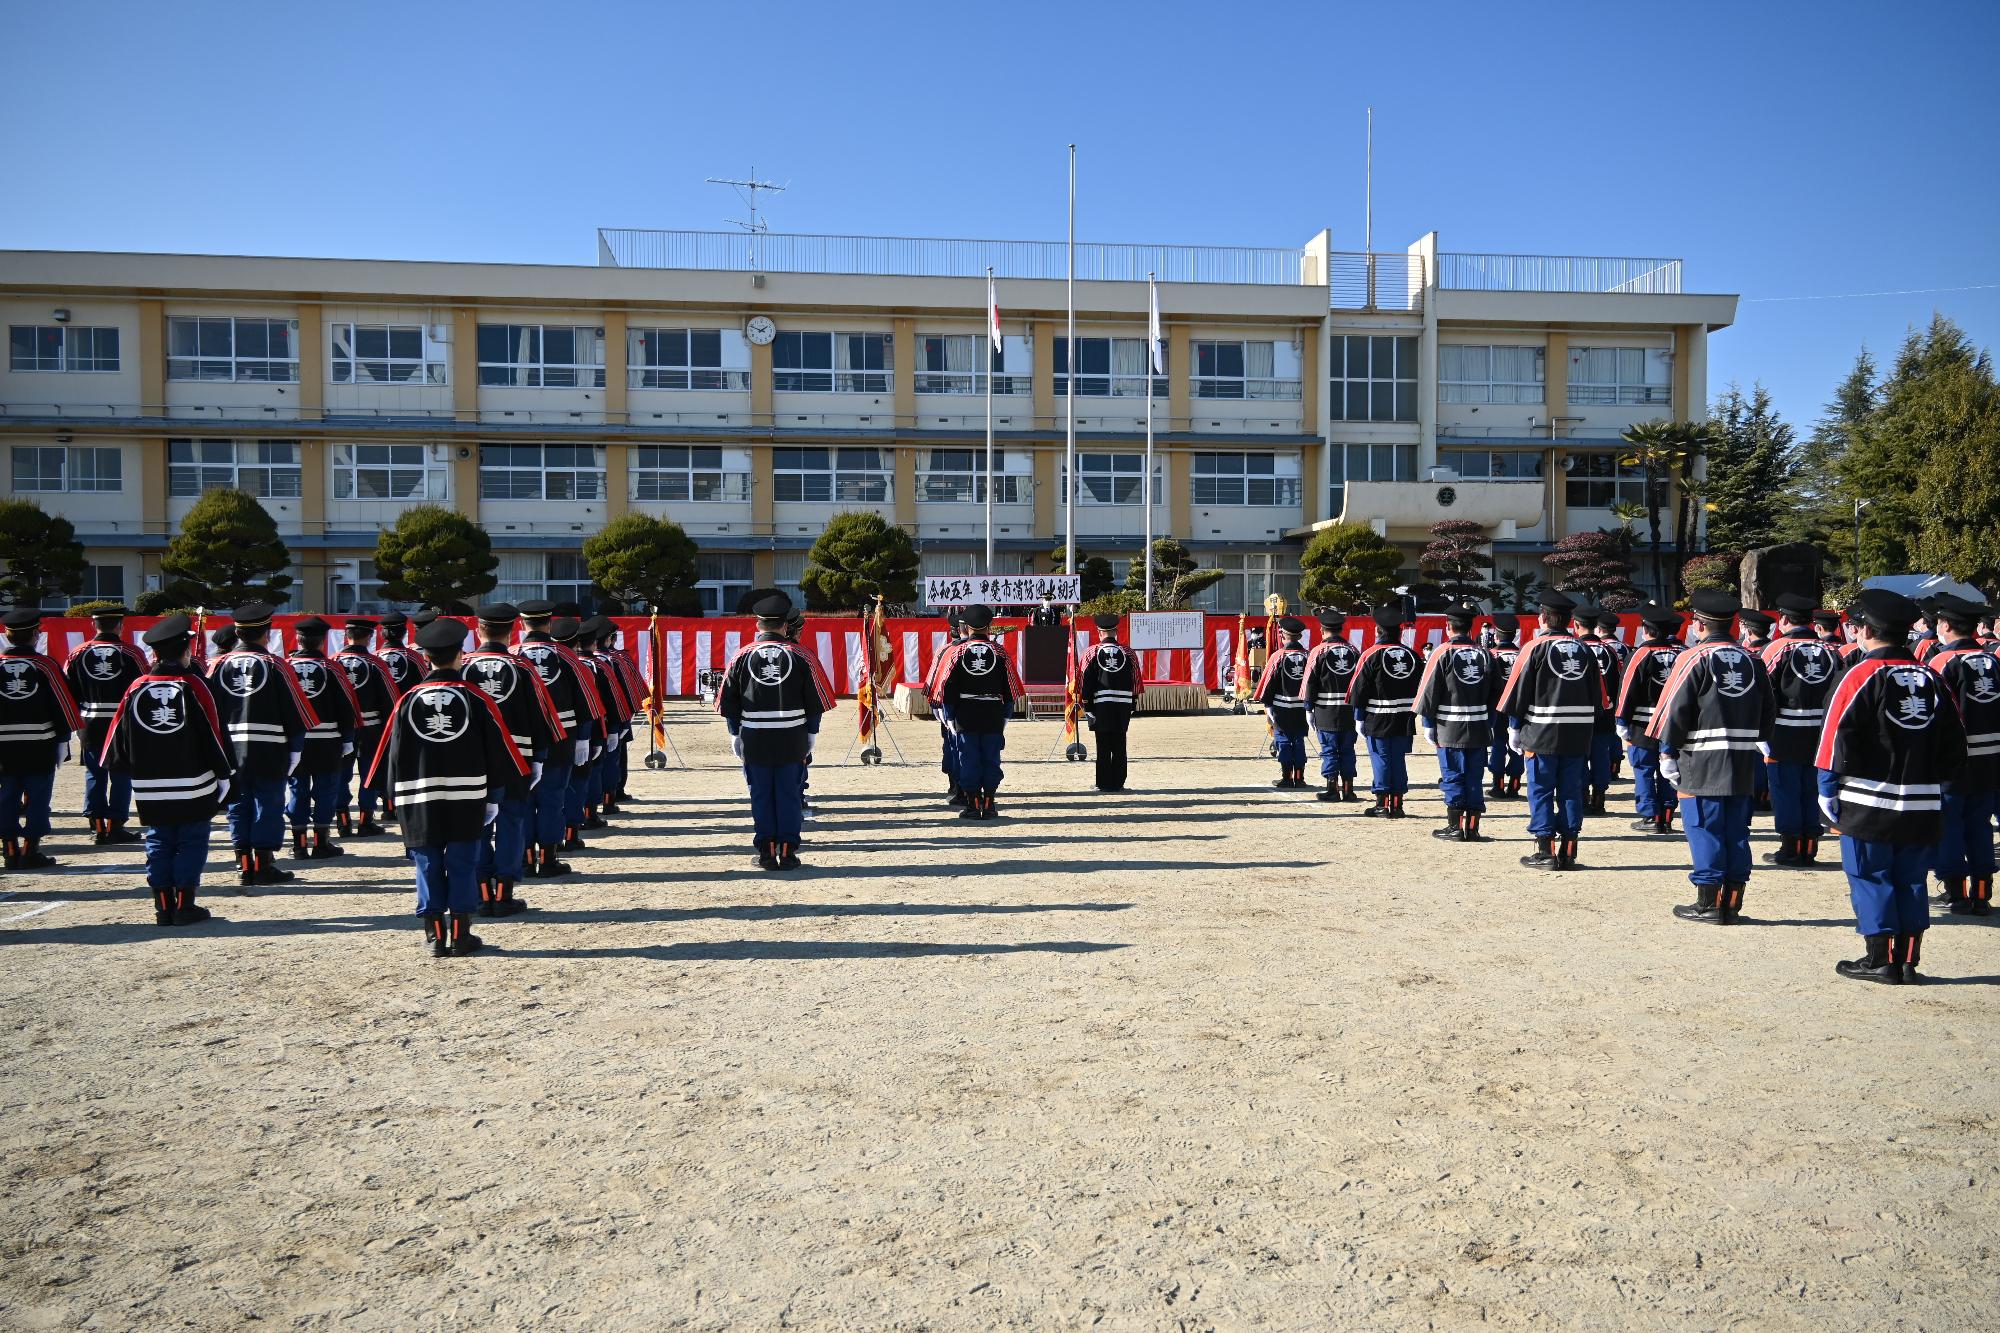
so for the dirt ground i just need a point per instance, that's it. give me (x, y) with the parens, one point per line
(1200, 1055)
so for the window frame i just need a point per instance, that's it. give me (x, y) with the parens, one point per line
(585, 479)
(539, 371)
(1115, 385)
(934, 381)
(1115, 481)
(1215, 382)
(1599, 473)
(850, 476)
(66, 359)
(651, 466)
(234, 361)
(937, 485)
(810, 377)
(1401, 388)
(1620, 391)
(203, 468)
(644, 369)
(431, 363)
(1213, 484)
(349, 464)
(1489, 388)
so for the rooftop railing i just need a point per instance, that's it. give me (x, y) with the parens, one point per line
(1558, 273)
(939, 257)
(1383, 281)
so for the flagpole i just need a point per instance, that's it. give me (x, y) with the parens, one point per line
(1152, 355)
(992, 310)
(1069, 451)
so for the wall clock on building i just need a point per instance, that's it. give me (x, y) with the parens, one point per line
(760, 330)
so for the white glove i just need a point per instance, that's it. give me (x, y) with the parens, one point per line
(951, 726)
(1830, 807)
(347, 749)
(1764, 748)
(492, 813)
(1624, 733)
(62, 753)
(534, 775)
(611, 743)
(1514, 740)
(581, 755)
(1431, 734)
(736, 746)
(812, 739)
(293, 766)
(1670, 768)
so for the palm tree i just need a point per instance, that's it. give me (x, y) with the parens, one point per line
(1667, 451)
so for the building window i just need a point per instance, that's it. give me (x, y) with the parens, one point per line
(1469, 374)
(356, 590)
(677, 472)
(1374, 378)
(558, 576)
(958, 476)
(267, 469)
(61, 347)
(688, 359)
(833, 362)
(1261, 370)
(47, 469)
(820, 475)
(1599, 480)
(1114, 479)
(1367, 462)
(1263, 480)
(1492, 464)
(949, 363)
(386, 354)
(387, 472)
(260, 351)
(1248, 577)
(1614, 376)
(101, 583)
(721, 580)
(541, 472)
(541, 356)
(1106, 368)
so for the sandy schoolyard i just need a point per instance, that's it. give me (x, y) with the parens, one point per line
(1204, 1055)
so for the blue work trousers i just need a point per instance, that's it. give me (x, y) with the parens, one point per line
(979, 760)
(257, 813)
(775, 810)
(552, 797)
(314, 799)
(1603, 751)
(175, 854)
(1794, 799)
(1461, 777)
(447, 878)
(1718, 834)
(1965, 846)
(1885, 882)
(1336, 754)
(1555, 794)
(106, 795)
(506, 839)
(1389, 765)
(24, 804)
(1652, 792)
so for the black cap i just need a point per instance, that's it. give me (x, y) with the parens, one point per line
(772, 606)
(563, 629)
(1714, 604)
(251, 615)
(360, 625)
(498, 613)
(170, 633)
(1755, 621)
(1609, 620)
(224, 638)
(1551, 600)
(1461, 610)
(424, 617)
(597, 626)
(22, 617)
(1888, 612)
(441, 635)
(1107, 621)
(1953, 607)
(1506, 622)
(1797, 606)
(1827, 619)
(110, 612)
(1660, 617)
(537, 610)
(311, 627)
(1333, 621)
(1291, 625)
(979, 617)
(1389, 617)
(395, 620)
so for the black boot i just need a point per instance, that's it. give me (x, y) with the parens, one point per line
(767, 854)
(1564, 854)
(163, 907)
(1379, 809)
(1395, 806)
(186, 913)
(32, 857)
(463, 941)
(438, 936)
(1543, 854)
(1809, 853)
(1703, 907)
(1650, 824)
(368, 828)
(1469, 829)
(301, 845)
(246, 868)
(1729, 903)
(509, 905)
(571, 842)
(268, 872)
(1453, 828)
(1332, 792)
(546, 864)
(1951, 892)
(1499, 787)
(957, 798)
(489, 893)
(118, 835)
(1787, 853)
(1514, 787)
(324, 848)
(344, 821)
(1979, 896)
(788, 856)
(1906, 951)
(1347, 790)
(1876, 966)
(100, 830)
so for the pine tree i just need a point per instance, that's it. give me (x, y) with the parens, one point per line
(1748, 489)
(1457, 554)
(41, 553)
(859, 555)
(639, 558)
(435, 556)
(1594, 566)
(1097, 579)
(1955, 415)
(228, 552)
(1176, 576)
(1347, 567)
(1822, 513)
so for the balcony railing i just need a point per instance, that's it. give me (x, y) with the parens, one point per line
(939, 257)
(1557, 273)
(1390, 282)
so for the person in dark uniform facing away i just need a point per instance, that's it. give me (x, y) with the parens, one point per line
(1646, 673)
(1502, 761)
(977, 696)
(318, 782)
(1385, 688)
(1604, 740)
(375, 695)
(1804, 670)
(1281, 689)
(1111, 690)
(1329, 676)
(1552, 702)
(98, 674)
(265, 718)
(1971, 671)
(772, 702)
(37, 716)
(530, 714)
(1455, 699)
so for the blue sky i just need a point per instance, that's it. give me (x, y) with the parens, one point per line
(1783, 150)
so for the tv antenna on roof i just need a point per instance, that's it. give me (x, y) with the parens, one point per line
(747, 191)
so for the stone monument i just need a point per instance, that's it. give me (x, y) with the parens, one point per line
(1770, 572)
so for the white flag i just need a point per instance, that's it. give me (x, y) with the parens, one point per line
(993, 312)
(1153, 328)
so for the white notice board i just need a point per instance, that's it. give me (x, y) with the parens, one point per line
(1154, 631)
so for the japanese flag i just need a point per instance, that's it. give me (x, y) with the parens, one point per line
(1153, 334)
(993, 312)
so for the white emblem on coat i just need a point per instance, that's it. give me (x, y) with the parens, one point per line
(1292, 664)
(978, 659)
(1812, 663)
(102, 663)
(1567, 659)
(545, 660)
(1912, 698)
(1661, 664)
(242, 674)
(1111, 657)
(771, 664)
(1399, 663)
(18, 679)
(1342, 655)
(357, 670)
(1469, 665)
(161, 709)
(311, 673)
(1731, 670)
(491, 674)
(439, 715)
(1982, 688)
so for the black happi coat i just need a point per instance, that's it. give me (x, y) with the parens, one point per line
(1610, 657)
(618, 707)
(1555, 695)
(524, 701)
(1456, 696)
(572, 686)
(773, 700)
(978, 690)
(98, 674)
(1385, 689)
(1972, 672)
(375, 695)
(1803, 673)
(37, 713)
(445, 749)
(333, 703)
(406, 667)
(1715, 711)
(1329, 676)
(1892, 740)
(1644, 681)
(265, 715)
(167, 734)
(1281, 689)
(1111, 684)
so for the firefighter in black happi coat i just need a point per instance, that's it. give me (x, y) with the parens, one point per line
(37, 716)
(166, 738)
(1804, 670)
(1971, 670)
(1111, 688)
(317, 783)
(513, 684)
(99, 672)
(375, 695)
(1281, 689)
(265, 717)
(448, 759)
(1454, 705)
(772, 701)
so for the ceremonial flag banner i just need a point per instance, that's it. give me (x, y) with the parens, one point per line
(1002, 589)
(1242, 663)
(1154, 336)
(993, 314)
(864, 690)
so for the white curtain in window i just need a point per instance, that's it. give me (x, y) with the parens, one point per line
(1597, 365)
(1257, 360)
(1128, 356)
(958, 355)
(1514, 365)
(519, 567)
